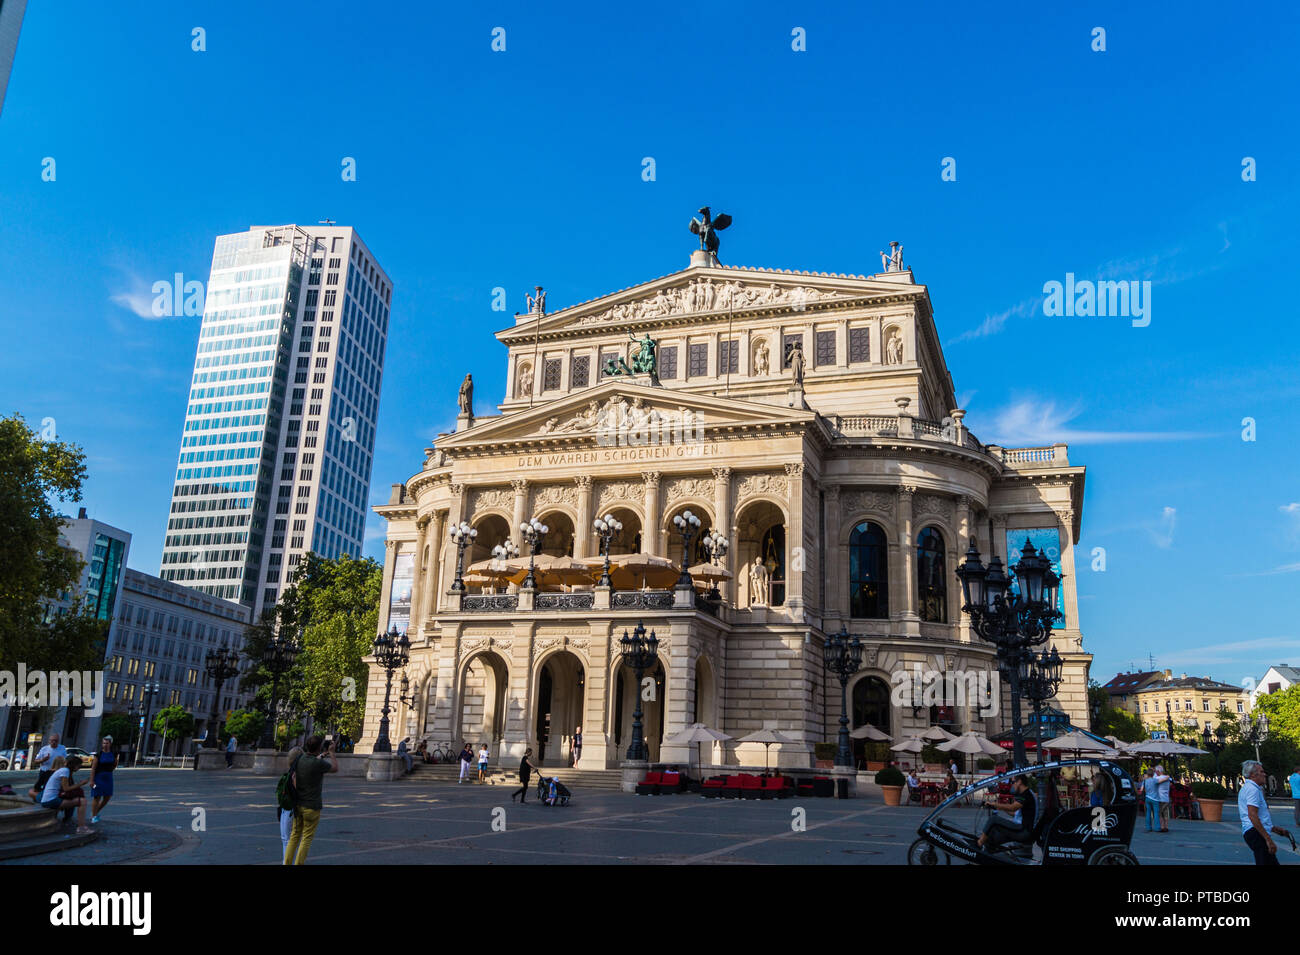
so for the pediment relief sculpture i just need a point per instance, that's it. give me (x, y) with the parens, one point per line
(706, 295)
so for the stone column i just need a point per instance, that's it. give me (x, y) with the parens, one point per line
(833, 570)
(907, 562)
(455, 514)
(433, 578)
(998, 545)
(520, 486)
(650, 531)
(965, 531)
(723, 521)
(680, 669)
(582, 533)
(386, 594)
(446, 705)
(416, 626)
(794, 542)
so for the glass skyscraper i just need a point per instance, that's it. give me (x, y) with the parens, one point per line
(279, 432)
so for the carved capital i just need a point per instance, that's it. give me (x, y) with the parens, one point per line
(520, 485)
(651, 478)
(999, 520)
(832, 492)
(722, 474)
(794, 469)
(583, 481)
(456, 489)
(905, 491)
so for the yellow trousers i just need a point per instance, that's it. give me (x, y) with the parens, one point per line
(305, 822)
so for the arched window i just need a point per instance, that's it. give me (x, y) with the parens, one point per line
(931, 583)
(868, 572)
(871, 703)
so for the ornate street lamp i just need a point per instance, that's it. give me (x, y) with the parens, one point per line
(1254, 731)
(281, 652)
(147, 693)
(1215, 743)
(1040, 679)
(506, 550)
(1169, 721)
(462, 535)
(220, 665)
(688, 525)
(715, 545)
(1012, 622)
(843, 657)
(640, 654)
(607, 528)
(533, 531)
(392, 652)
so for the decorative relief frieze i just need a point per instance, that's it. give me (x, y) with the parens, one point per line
(705, 295)
(854, 502)
(618, 492)
(933, 505)
(552, 495)
(482, 499)
(677, 489)
(753, 485)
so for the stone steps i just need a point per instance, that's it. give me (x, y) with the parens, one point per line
(606, 779)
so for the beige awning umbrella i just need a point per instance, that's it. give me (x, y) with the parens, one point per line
(869, 732)
(710, 572)
(937, 734)
(635, 571)
(767, 738)
(695, 734)
(1164, 747)
(971, 743)
(550, 570)
(913, 744)
(1077, 742)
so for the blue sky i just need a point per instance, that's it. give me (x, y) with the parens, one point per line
(478, 169)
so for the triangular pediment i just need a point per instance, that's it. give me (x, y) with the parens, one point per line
(701, 292)
(624, 412)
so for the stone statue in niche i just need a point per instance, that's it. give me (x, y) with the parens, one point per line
(760, 591)
(760, 358)
(525, 381)
(894, 348)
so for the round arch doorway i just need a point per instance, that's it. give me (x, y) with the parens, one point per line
(558, 708)
(870, 704)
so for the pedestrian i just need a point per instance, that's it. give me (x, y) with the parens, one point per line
(1294, 780)
(403, 752)
(482, 762)
(44, 760)
(102, 765)
(1149, 793)
(62, 793)
(466, 757)
(1163, 783)
(286, 815)
(577, 745)
(526, 768)
(1256, 823)
(232, 744)
(309, 780)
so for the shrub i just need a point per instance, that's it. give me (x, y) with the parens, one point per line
(889, 776)
(1206, 790)
(824, 750)
(984, 762)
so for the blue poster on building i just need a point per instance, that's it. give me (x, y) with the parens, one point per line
(399, 603)
(1047, 541)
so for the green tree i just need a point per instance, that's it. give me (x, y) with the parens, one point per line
(175, 720)
(332, 606)
(1112, 720)
(1283, 709)
(245, 725)
(35, 571)
(117, 725)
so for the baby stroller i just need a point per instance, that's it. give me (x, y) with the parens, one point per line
(552, 792)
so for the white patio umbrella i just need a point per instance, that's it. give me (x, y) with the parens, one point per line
(1077, 742)
(937, 734)
(767, 738)
(695, 734)
(913, 744)
(868, 732)
(971, 743)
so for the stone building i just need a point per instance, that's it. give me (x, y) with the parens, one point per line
(1189, 702)
(811, 419)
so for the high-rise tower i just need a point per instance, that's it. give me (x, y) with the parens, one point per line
(279, 433)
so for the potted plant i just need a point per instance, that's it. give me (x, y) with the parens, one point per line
(824, 753)
(877, 756)
(890, 781)
(1210, 796)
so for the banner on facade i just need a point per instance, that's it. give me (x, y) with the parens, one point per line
(1047, 541)
(399, 606)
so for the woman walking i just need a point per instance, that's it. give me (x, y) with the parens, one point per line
(102, 765)
(526, 768)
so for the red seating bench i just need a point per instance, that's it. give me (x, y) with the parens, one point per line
(650, 785)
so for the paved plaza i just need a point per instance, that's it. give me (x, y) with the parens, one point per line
(420, 821)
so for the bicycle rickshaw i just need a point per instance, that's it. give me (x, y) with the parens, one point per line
(1062, 835)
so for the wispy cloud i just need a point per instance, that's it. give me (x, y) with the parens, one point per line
(1163, 532)
(992, 324)
(1030, 422)
(1231, 653)
(136, 296)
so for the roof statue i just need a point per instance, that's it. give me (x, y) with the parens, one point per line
(707, 229)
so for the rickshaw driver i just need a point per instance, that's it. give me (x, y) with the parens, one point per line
(1023, 807)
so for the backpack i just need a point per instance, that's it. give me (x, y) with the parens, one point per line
(286, 790)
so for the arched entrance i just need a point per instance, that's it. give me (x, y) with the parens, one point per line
(558, 541)
(626, 541)
(673, 538)
(558, 707)
(482, 699)
(760, 533)
(652, 710)
(493, 529)
(871, 704)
